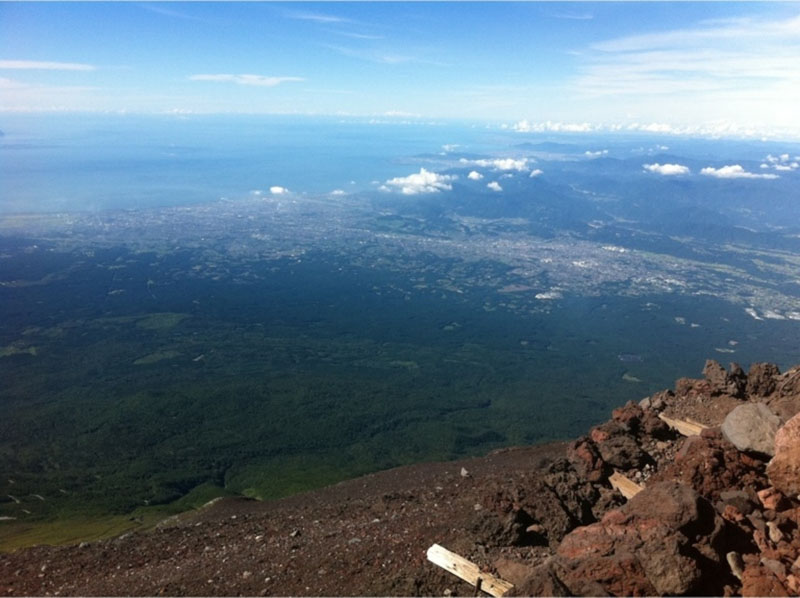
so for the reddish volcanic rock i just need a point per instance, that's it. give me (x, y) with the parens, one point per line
(648, 546)
(758, 580)
(771, 498)
(721, 381)
(617, 444)
(762, 379)
(710, 464)
(585, 458)
(789, 382)
(784, 468)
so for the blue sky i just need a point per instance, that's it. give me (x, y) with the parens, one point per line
(729, 66)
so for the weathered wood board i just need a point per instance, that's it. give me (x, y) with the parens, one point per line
(628, 488)
(686, 428)
(468, 571)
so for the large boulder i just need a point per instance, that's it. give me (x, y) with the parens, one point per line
(784, 468)
(789, 382)
(711, 465)
(617, 443)
(762, 379)
(549, 506)
(752, 427)
(721, 381)
(584, 457)
(660, 542)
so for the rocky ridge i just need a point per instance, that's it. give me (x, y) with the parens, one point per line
(719, 514)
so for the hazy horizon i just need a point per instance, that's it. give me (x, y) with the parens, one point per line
(713, 68)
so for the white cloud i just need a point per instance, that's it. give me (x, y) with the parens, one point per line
(780, 163)
(739, 69)
(666, 169)
(596, 154)
(401, 114)
(277, 190)
(520, 165)
(422, 182)
(245, 79)
(316, 17)
(734, 171)
(338, 192)
(475, 176)
(718, 128)
(536, 172)
(48, 66)
(494, 186)
(525, 126)
(450, 147)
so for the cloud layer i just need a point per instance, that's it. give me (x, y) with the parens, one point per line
(423, 181)
(506, 164)
(245, 79)
(734, 171)
(666, 169)
(46, 66)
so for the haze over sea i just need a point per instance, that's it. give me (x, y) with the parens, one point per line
(59, 162)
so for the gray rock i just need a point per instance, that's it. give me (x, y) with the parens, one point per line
(752, 427)
(722, 382)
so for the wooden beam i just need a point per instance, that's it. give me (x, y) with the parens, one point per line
(628, 488)
(686, 428)
(468, 571)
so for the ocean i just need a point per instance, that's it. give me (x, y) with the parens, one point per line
(68, 162)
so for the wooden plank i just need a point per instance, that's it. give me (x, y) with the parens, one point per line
(684, 427)
(468, 571)
(628, 488)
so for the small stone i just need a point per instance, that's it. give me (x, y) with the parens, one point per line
(536, 528)
(246, 574)
(259, 537)
(760, 541)
(295, 533)
(464, 472)
(778, 568)
(731, 513)
(448, 592)
(735, 562)
(770, 498)
(775, 534)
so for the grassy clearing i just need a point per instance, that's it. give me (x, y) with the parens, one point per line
(15, 535)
